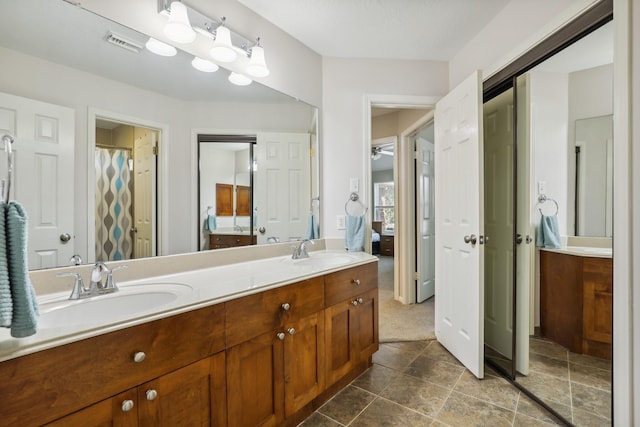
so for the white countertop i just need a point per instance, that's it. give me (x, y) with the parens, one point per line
(582, 251)
(205, 286)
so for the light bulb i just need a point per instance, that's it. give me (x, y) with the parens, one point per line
(257, 66)
(239, 79)
(178, 28)
(204, 65)
(160, 48)
(222, 50)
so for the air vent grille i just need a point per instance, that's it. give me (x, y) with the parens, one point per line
(123, 42)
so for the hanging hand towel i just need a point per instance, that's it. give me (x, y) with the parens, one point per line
(312, 228)
(354, 234)
(210, 223)
(25, 305)
(548, 234)
(6, 302)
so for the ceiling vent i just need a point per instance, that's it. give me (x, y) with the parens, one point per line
(123, 42)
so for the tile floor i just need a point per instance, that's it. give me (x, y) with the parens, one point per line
(420, 384)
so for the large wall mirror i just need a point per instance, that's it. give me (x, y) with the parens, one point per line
(100, 75)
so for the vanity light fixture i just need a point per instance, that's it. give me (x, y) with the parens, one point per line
(184, 25)
(239, 79)
(204, 65)
(257, 67)
(222, 49)
(178, 28)
(160, 48)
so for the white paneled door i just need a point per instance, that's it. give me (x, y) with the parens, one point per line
(43, 180)
(459, 305)
(425, 219)
(144, 201)
(282, 186)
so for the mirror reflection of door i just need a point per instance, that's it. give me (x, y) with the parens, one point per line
(125, 191)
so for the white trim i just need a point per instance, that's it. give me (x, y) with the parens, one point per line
(404, 259)
(162, 229)
(626, 248)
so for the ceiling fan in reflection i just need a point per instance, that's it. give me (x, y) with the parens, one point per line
(377, 152)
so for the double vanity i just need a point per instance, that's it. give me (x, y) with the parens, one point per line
(245, 336)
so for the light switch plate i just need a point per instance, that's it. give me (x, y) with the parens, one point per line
(341, 222)
(354, 185)
(542, 187)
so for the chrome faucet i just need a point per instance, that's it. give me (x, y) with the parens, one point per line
(96, 286)
(238, 228)
(300, 251)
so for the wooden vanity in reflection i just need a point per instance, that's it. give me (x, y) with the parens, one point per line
(576, 302)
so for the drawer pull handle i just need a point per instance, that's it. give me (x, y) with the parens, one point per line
(139, 356)
(280, 336)
(360, 300)
(291, 331)
(356, 282)
(127, 405)
(354, 302)
(151, 394)
(286, 306)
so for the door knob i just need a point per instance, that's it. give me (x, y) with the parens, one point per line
(262, 230)
(528, 239)
(134, 230)
(65, 237)
(518, 239)
(471, 239)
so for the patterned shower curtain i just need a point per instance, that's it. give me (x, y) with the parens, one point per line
(114, 208)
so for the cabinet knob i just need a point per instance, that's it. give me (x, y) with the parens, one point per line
(291, 331)
(151, 394)
(286, 306)
(354, 302)
(356, 282)
(360, 300)
(139, 356)
(127, 405)
(280, 336)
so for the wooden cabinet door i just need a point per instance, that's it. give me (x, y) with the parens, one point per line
(255, 390)
(180, 398)
(224, 199)
(304, 369)
(366, 313)
(340, 325)
(107, 413)
(243, 200)
(597, 314)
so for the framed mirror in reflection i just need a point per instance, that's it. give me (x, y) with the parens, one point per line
(55, 90)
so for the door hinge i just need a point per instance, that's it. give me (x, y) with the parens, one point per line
(155, 151)
(416, 275)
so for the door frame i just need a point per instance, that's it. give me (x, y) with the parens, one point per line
(404, 240)
(162, 207)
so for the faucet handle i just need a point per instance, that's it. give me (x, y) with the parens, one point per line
(78, 287)
(110, 285)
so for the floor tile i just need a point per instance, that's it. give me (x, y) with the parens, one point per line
(547, 348)
(525, 421)
(549, 365)
(436, 351)
(587, 419)
(461, 410)
(383, 413)
(394, 357)
(587, 360)
(441, 373)
(526, 406)
(412, 346)
(422, 396)
(318, 420)
(591, 399)
(491, 389)
(547, 388)
(591, 376)
(347, 404)
(376, 378)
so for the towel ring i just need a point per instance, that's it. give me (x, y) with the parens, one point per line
(543, 198)
(5, 184)
(354, 199)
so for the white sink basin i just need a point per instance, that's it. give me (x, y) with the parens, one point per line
(130, 301)
(323, 260)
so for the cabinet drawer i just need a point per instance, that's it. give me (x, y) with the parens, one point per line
(349, 283)
(218, 241)
(36, 390)
(250, 316)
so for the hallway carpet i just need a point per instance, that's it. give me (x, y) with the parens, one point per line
(400, 322)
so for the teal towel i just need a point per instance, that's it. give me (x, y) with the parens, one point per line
(548, 234)
(6, 302)
(25, 305)
(210, 223)
(354, 235)
(312, 228)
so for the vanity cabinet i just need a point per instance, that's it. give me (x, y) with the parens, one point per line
(351, 319)
(576, 302)
(221, 241)
(276, 353)
(44, 386)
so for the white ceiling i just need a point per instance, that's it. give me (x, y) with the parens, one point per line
(394, 29)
